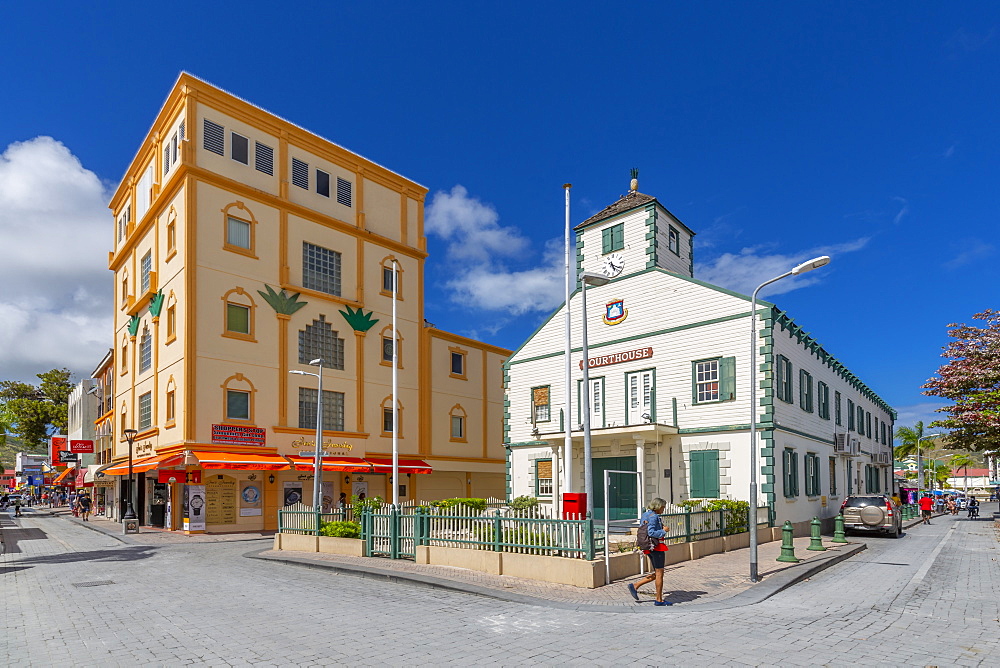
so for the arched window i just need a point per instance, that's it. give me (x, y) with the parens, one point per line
(385, 357)
(239, 226)
(170, 404)
(457, 423)
(238, 400)
(387, 417)
(171, 317)
(123, 355)
(387, 264)
(171, 233)
(238, 317)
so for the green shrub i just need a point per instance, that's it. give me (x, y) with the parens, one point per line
(340, 529)
(485, 533)
(524, 503)
(368, 503)
(478, 505)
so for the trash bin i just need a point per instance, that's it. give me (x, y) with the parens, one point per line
(574, 505)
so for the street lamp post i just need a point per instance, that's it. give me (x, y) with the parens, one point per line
(318, 452)
(129, 520)
(920, 468)
(587, 278)
(815, 263)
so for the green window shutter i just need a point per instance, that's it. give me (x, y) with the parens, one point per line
(786, 472)
(694, 382)
(705, 474)
(795, 473)
(606, 242)
(850, 415)
(802, 389)
(618, 236)
(727, 378)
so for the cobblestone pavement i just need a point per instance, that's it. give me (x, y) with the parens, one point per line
(930, 598)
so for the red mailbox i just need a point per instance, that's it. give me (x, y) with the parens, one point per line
(574, 505)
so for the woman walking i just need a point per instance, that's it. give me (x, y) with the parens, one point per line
(654, 528)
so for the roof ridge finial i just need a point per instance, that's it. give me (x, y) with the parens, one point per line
(634, 185)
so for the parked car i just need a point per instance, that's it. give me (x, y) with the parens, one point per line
(872, 513)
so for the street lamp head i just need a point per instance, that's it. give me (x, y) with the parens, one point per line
(814, 263)
(93, 390)
(594, 279)
(318, 360)
(129, 434)
(299, 373)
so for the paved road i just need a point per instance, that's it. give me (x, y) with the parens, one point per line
(930, 598)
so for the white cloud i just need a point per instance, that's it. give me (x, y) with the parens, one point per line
(477, 246)
(904, 209)
(973, 250)
(55, 227)
(744, 271)
(907, 416)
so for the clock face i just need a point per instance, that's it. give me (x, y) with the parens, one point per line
(613, 265)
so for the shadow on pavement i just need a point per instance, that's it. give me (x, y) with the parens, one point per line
(115, 554)
(679, 596)
(12, 536)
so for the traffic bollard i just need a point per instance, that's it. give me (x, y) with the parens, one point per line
(838, 530)
(815, 541)
(787, 546)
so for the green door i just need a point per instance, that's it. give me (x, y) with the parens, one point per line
(623, 499)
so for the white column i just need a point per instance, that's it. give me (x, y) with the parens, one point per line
(640, 466)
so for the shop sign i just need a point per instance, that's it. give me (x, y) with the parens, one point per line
(618, 358)
(220, 500)
(85, 446)
(194, 508)
(250, 499)
(234, 434)
(104, 482)
(168, 476)
(329, 447)
(57, 445)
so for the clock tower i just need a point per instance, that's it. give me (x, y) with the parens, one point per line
(632, 235)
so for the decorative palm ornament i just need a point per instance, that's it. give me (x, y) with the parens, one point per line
(133, 325)
(281, 302)
(156, 304)
(358, 319)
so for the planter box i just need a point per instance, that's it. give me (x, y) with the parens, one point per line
(297, 542)
(484, 561)
(576, 572)
(737, 541)
(701, 548)
(353, 547)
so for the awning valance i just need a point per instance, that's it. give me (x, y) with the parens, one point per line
(146, 464)
(241, 462)
(349, 464)
(380, 465)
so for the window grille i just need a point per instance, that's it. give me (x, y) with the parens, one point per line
(300, 173)
(320, 340)
(708, 380)
(215, 138)
(263, 156)
(343, 191)
(333, 409)
(145, 351)
(146, 410)
(320, 269)
(146, 268)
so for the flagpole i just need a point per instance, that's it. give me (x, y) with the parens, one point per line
(568, 417)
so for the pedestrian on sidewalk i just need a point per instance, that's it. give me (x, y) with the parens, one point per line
(973, 508)
(952, 506)
(657, 557)
(84, 503)
(926, 506)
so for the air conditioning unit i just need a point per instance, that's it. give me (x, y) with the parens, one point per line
(855, 447)
(841, 444)
(881, 458)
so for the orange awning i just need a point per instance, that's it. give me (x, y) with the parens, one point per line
(143, 465)
(349, 464)
(241, 462)
(405, 465)
(62, 476)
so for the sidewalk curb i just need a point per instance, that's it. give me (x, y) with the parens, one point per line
(759, 592)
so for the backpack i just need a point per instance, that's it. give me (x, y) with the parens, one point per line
(643, 540)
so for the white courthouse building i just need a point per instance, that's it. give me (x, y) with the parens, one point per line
(669, 387)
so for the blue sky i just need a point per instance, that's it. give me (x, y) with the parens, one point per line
(775, 131)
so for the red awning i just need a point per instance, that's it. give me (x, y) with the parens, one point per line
(380, 465)
(62, 476)
(143, 465)
(80, 482)
(349, 464)
(241, 462)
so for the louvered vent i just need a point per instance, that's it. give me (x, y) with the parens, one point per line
(215, 138)
(300, 173)
(182, 131)
(264, 158)
(343, 191)
(166, 160)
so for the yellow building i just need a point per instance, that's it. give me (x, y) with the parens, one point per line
(245, 247)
